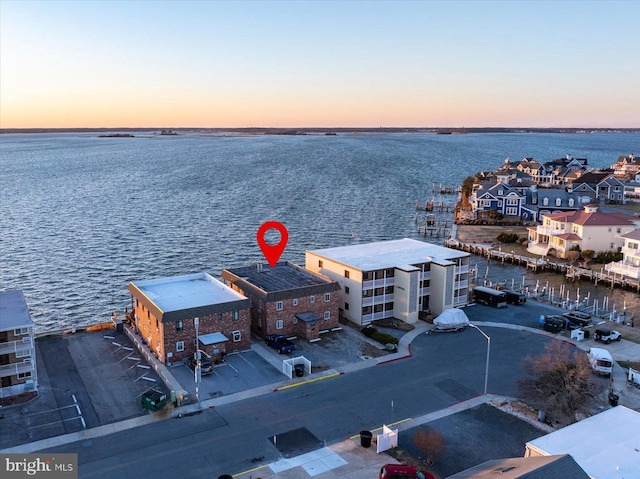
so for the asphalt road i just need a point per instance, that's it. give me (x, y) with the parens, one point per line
(444, 369)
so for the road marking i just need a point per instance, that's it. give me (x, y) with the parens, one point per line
(247, 361)
(249, 471)
(289, 386)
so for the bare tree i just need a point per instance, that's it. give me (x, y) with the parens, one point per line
(430, 442)
(559, 381)
(572, 256)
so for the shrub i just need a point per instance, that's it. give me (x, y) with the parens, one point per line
(382, 338)
(507, 237)
(604, 257)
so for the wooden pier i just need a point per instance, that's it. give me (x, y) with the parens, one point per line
(541, 264)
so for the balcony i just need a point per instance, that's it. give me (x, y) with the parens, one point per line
(371, 300)
(464, 284)
(625, 269)
(15, 346)
(547, 231)
(462, 269)
(378, 283)
(367, 318)
(14, 369)
(425, 275)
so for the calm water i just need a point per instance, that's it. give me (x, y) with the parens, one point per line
(82, 216)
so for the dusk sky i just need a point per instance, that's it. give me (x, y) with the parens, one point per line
(316, 64)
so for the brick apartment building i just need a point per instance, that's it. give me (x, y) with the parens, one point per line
(287, 299)
(18, 372)
(165, 308)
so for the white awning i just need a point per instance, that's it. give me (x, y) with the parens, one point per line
(212, 338)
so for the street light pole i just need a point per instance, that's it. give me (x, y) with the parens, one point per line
(486, 372)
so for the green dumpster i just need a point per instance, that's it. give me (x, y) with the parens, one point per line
(154, 400)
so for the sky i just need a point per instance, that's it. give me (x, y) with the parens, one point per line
(217, 64)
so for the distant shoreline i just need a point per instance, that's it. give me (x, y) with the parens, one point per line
(323, 131)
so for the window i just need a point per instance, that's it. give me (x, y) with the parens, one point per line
(312, 299)
(220, 316)
(279, 324)
(20, 331)
(24, 375)
(320, 263)
(23, 353)
(367, 276)
(346, 273)
(558, 201)
(346, 306)
(570, 201)
(236, 315)
(279, 306)
(237, 336)
(632, 245)
(618, 230)
(327, 296)
(180, 346)
(346, 290)
(295, 301)
(179, 325)
(295, 320)
(327, 315)
(545, 201)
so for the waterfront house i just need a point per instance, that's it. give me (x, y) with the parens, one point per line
(18, 372)
(604, 445)
(165, 310)
(626, 167)
(287, 299)
(601, 187)
(587, 229)
(394, 279)
(498, 197)
(630, 264)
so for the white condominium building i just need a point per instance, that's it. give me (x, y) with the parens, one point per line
(394, 279)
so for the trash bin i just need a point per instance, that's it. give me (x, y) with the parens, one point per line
(586, 334)
(299, 369)
(613, 398)
(365, 438)
(153, 400)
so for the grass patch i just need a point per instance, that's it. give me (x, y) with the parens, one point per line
(630, 364)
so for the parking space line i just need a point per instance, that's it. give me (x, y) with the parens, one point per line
(231, 366)
(247, 361)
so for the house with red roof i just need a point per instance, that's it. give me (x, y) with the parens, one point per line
(588, 229)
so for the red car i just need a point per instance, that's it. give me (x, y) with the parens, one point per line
(398, 471)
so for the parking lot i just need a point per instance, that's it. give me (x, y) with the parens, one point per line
(86, 380)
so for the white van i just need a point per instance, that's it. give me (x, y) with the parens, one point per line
(601, 361)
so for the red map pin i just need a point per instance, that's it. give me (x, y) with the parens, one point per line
(272, 252)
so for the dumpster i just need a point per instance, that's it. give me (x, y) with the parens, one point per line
(299, 370)
(153, 400)
(365, 438)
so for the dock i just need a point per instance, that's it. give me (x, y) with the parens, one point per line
(572, 273)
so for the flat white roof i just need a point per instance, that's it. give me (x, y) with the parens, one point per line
(606, 446)
(388, 254)
(14, 313)
(212, 338)
(177, 293)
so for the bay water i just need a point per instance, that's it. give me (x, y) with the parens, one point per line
(82, 216)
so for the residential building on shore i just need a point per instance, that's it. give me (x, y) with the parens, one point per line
(165, 310)
(394, 279)
(287, 299)
(588, 229)
(630, 264)
(18, 373)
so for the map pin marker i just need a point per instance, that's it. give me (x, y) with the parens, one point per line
(272, 252)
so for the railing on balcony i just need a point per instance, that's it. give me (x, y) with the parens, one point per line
(18, 345)
(548, 231)
(624, 269)
(425, 275)
(462, 269)
(14, 369)
(366, 318)
(371, 300)
(461, 284)
(378, 283)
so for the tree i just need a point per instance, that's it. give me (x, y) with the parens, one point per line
(430, 442)
(559, 381)
(572, 256)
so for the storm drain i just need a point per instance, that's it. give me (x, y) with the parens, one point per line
(296, 442)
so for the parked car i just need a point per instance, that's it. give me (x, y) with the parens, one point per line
(554, 323)
(280, 343)
(206, 366)
(513, 297)
(398, 471)
(607, 335)
(578, 318)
